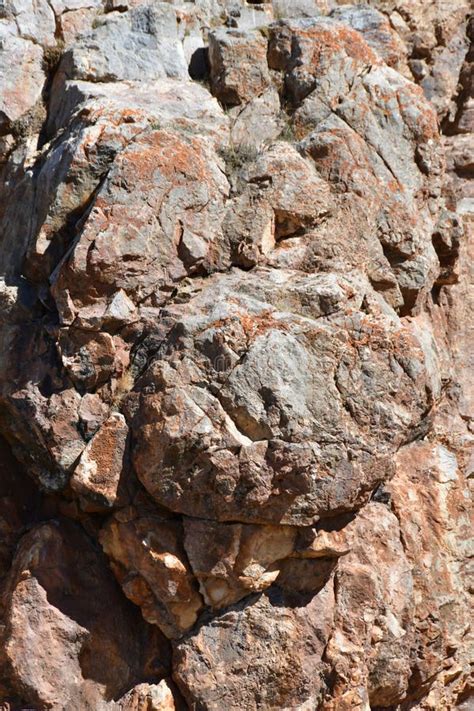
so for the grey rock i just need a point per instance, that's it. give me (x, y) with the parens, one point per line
(299, 8)
(21, 78)
(258, 122)
(238, 62)
(35, 20)
(139, 45)
(376, 30)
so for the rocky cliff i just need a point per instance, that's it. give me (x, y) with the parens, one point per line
(236, 355)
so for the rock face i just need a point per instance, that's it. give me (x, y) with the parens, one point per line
(235, 355)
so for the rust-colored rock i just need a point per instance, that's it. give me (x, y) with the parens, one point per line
(149, 697)
(436, 526)
(236, 355)
(252, 445)
(238, 61)
(231, 561)
(102, 467)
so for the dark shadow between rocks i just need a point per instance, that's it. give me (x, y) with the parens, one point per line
(199, 65)
(301, 579)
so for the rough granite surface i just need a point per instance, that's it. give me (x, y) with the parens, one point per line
(236, 355)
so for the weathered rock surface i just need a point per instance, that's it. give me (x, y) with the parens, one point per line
(149, 561)
(149, 697)
(102, 466)
(21, 80)
(262, 653)
(63, 617)
(139, 45)
(288, 430)
(236, 355)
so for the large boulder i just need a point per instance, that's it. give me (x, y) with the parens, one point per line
(274, 400)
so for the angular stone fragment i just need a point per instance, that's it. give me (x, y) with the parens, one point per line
(319, 543)
(258, 654)
(21, 78)
(238, 62)
(92, 412)
(75, 165)
(441, 84)
(150, 564)
(69, 173)
(102, 468)
(75, 23)
(131, 105)
(231, 561)
(148, 697)
(249, 227)
(89, 358)
(50, 428)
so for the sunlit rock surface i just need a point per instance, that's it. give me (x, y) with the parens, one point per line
(236, 355)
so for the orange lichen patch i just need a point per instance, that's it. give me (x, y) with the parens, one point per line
(329, 42)
(313, 335)
(112, 118)
(396, 343)
(256, 325)
(393, 186)
(299, 127)
(220, 323)
(348, 290)
(104, 450)
(162, 151)
(405, 342)
(252, 325)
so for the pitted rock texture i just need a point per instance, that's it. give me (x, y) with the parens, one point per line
(236, 355)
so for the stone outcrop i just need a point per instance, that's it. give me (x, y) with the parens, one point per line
(235, 355)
